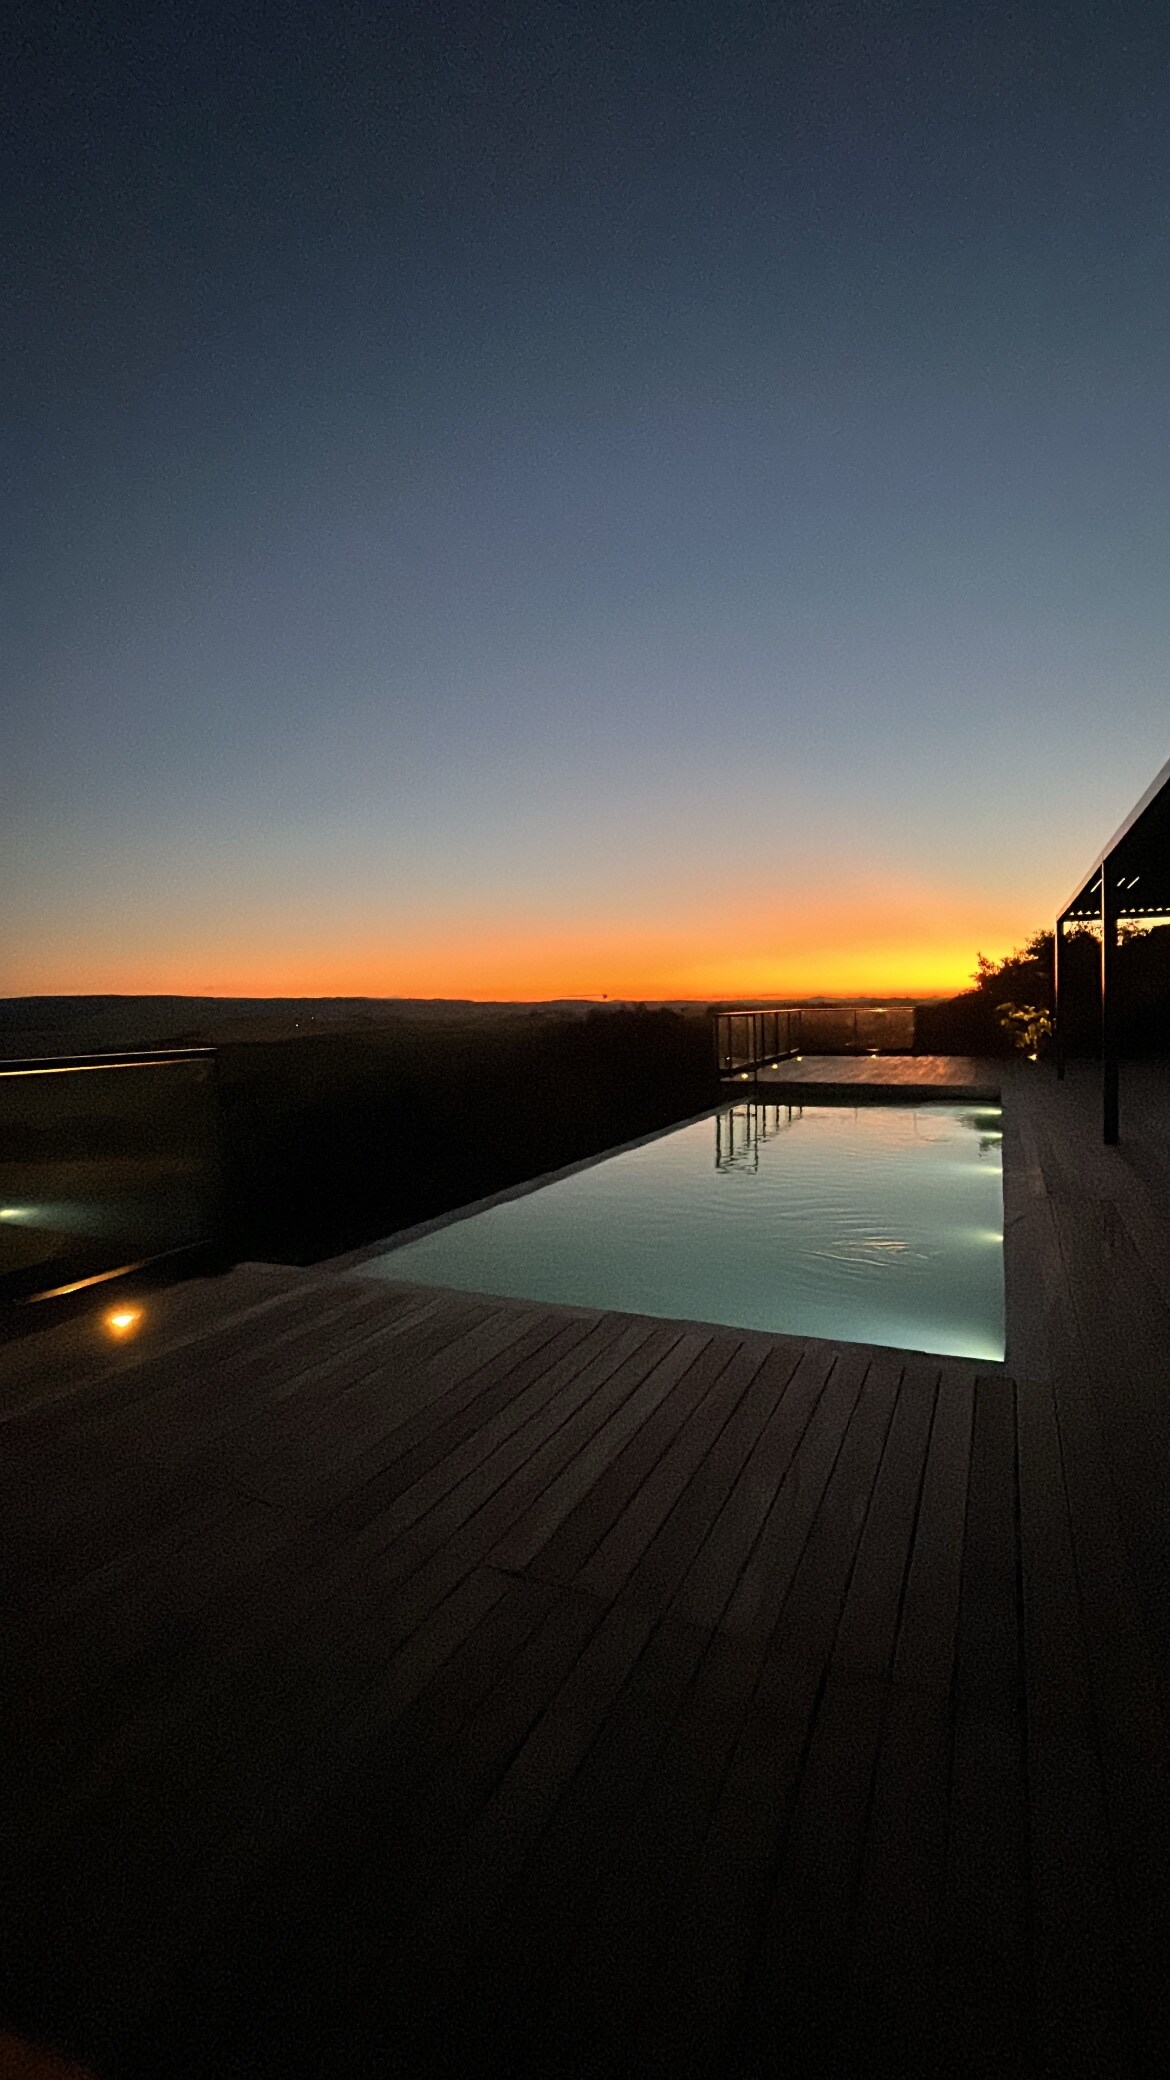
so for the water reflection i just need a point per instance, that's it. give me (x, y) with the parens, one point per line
(988, 1125)
(873, 1223)
(742, 1130)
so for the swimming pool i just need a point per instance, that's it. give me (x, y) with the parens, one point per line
(874, 1224)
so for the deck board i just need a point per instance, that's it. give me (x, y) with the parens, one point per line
(984, 1984)
(1081, 2020)
(420, 1681)
(812, 1078)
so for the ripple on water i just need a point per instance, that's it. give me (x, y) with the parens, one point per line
(869, 1224)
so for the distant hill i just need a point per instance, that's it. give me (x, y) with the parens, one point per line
(77, 1025)
(92, 1024)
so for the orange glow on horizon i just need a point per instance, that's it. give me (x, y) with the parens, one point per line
(900, 936)
(911, 946)
(521, 978)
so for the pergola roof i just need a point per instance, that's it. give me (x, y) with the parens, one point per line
(1139, 854)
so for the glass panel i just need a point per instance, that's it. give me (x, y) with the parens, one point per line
(103, 1165)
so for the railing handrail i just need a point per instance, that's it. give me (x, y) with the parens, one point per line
(107, 1058)
(188, 1220)
(738, 1010)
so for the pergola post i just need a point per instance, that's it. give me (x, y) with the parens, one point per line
(1057, 1028)
(1109, 1076)
(1137, 853)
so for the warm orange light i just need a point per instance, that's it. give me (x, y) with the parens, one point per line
(885, 934)
(123, 1321)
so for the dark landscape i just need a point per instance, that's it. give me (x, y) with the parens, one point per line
(343, 1120)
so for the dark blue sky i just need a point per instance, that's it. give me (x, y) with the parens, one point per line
(513, 499)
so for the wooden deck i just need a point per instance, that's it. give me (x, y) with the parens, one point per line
(817, 1077)
(404, 1682)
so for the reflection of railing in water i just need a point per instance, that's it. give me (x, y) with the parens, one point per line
(746, 1040)
(107, 1162)
(741, 1131)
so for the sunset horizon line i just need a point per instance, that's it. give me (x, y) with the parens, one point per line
(650, 996)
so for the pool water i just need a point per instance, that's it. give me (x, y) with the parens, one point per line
(874, 1224)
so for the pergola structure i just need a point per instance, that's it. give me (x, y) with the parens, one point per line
(1129, 879)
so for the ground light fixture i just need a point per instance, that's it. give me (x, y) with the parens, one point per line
(122, 1321)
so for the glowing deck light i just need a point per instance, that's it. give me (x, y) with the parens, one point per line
(122, 1321)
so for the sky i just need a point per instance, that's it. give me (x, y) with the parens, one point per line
(520, 500)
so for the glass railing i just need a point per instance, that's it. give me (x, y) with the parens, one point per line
(755, 1038)
(748, 1039)
(107, 1162)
